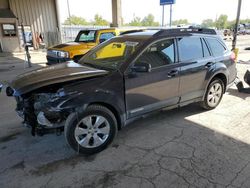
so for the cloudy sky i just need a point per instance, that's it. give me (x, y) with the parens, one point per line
(193, 10)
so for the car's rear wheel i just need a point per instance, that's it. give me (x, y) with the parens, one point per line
(213, 94)
(91, 131)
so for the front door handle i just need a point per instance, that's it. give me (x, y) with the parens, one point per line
(172, 73)
(209, 64)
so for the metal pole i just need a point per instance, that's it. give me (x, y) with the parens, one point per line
(170, 18)
(236, 25)
(162, 23)
(26, 46)
(69, 19)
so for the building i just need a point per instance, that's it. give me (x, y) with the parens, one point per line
(40, 19)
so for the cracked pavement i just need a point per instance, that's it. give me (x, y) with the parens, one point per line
(186, 147)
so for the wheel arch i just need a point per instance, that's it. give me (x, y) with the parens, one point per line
(222, 77)
(113, 110)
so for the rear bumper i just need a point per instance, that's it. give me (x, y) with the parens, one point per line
(55, 60)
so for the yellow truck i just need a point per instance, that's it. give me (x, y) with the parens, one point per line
(84, 41)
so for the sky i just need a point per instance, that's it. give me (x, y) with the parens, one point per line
(193, 10)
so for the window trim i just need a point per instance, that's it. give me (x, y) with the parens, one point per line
(159, 40)
(15, 28)
(204, 43)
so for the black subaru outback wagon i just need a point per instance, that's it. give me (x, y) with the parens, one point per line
(121, 80)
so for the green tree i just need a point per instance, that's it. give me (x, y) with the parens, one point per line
(98, 20)
(207, 23)
(221, 22)
(180, 22)
(136, 22)
(149, 21)
(75, 20)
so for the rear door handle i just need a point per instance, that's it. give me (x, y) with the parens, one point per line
(209, 64)
(172, 73)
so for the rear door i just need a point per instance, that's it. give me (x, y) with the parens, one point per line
(148, 91)
(196, 61)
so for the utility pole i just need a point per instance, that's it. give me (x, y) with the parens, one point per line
(162, 23)
(170, 17)
(69, 19)
(236, 25)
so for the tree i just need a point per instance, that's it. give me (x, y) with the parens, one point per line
(180, 22)
(207, 23)
(98, 20)
(75, 20)
(136, 22)
(149, 21)
(221, 22)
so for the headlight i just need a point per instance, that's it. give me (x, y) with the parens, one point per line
(62, 54)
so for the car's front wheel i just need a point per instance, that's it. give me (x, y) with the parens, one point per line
(213, 94)
(91, 131)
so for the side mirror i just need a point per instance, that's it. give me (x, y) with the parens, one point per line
(141, 67)
(101, 40)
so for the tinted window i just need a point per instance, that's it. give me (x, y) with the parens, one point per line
(106, 36)
(205, 49)
(158, 54)
(217, 48)
(190, 48)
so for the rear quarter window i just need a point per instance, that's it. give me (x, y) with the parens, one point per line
(216, 47)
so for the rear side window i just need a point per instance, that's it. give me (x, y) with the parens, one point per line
(190, 48)
(217, 48)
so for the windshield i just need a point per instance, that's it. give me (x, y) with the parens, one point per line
(86, 36)
(111, 54)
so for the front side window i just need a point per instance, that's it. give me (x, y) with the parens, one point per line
(158, 54)
(190, 48)
(86, 36)
(111, 54)
(217, 48)
(9, 30)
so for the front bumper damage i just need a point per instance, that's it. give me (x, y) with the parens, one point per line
(44, 112)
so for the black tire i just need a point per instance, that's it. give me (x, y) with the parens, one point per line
(77, 58)
(72, 123)
(205, 103)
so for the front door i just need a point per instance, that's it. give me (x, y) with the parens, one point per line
(148, 91)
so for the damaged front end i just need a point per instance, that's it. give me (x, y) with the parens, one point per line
(43, 112)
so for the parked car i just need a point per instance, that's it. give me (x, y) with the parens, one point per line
(121, 80)
(84, 41)
(227, 32)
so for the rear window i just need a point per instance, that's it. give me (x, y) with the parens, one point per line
(190, 48)
(217, 48)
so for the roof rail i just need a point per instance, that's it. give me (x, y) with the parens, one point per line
(190, 30)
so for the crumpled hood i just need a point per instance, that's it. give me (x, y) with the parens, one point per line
(59, 73)
(68, 46)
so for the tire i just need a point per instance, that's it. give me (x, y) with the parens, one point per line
(213, 94)
(77, 58)
(92, 130)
